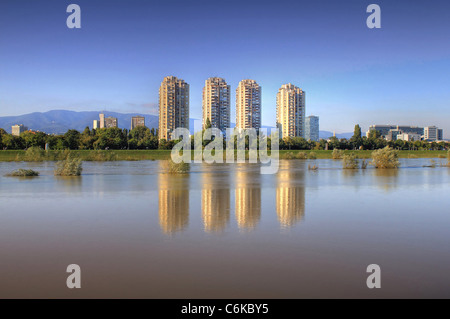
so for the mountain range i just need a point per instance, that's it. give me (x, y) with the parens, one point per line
(60, 121)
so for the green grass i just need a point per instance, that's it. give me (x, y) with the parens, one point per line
(140, 155)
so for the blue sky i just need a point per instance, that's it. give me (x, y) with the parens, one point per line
(117, 60)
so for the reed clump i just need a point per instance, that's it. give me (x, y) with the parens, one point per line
(23, 173)
(312, 155)
(177, 168)
(350, 161)
(69, 167)
(337, 154)
(385, 158)
(34, 154)
(301, 155)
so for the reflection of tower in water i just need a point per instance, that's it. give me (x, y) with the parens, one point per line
(248, 197)
(173, 202)
(290, 195)
(215, 201)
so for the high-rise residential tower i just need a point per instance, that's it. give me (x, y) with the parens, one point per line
(173, 106)
(248, 105)
(291, 111)
(111, 122)
(137, 121)
(102, 120)
(312, 128)
(216, 104)
(18, 129)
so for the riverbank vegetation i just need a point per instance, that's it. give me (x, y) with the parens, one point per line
(141, 155)
(143, 138)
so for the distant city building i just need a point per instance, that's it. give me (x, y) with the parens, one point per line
(248, 105)
(95, 124)
(312, 128)
(291, 111)
(16, 130)
(409, 137)
(137, 121)
(432, 133)
(385, 129)
(111, 122)
(216, 104)
(102, 120)
(173, 106)
(392, 135)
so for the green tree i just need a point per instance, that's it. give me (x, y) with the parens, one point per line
(87, 139)
(142, 138)
(110, 138)
(72, 139)
(373, 134)
(207, 124)
(34, 139)
(12, 142)
(2, 132)
(356, 139)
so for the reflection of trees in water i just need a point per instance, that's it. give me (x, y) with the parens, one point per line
(247, 197)
(215, 200)
(70, 184)
(173, 202)
(386, 178)
(290, 193)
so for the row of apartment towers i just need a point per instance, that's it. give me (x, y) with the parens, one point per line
(174, 107)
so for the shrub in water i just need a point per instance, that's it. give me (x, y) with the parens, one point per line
(69, 167)
(177, 168)
(337, 154)
(350, 161)
(23, 173)
(385, 158)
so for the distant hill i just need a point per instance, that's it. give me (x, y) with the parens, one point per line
(60, 121)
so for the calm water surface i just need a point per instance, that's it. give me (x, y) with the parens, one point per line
(225, 231)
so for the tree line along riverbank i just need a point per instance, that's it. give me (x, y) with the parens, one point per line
(141, 155)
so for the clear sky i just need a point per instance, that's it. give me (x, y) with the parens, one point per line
(399, 74)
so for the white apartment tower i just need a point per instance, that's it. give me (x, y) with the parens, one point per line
(291, 111)
(216, 104)
(173, 106)
(248, 105)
